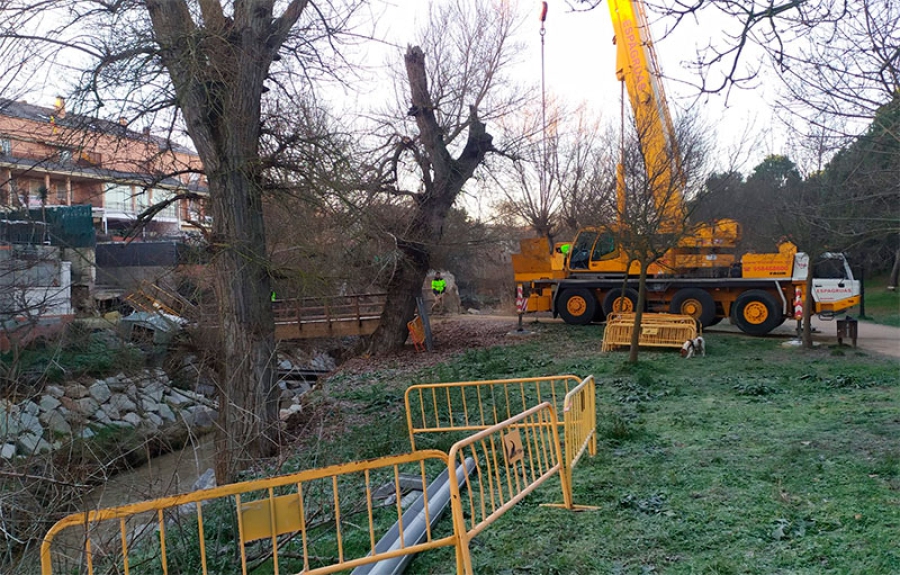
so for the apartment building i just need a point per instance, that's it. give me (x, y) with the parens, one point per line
(72, 187)
(51, 157)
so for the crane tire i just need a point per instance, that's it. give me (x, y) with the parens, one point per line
(618, 300)
(756, 312)
(577, 306)
(695, 302)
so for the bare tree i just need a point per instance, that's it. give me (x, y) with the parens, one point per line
(652, 217)
(561, 178)
(452, 93)
(204, 66)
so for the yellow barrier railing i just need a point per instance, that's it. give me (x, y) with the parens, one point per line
(328, 520)
(476, 405)
(511, 459)
(317, 521)
(657, 330)
(579, 424)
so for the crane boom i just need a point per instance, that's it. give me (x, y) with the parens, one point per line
(637, 67)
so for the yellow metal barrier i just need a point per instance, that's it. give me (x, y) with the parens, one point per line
(579, 424)
(317, 521)
(512, 459)
(657, 330)
(476, 405)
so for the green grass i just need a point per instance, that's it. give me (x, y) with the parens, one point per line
(882, 306)
(754, 460)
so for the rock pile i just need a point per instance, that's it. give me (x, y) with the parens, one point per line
(146, 402)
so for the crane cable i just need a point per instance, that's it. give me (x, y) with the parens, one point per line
(545, 194)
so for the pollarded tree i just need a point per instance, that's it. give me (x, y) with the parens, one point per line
(203, 65)
(453, 78)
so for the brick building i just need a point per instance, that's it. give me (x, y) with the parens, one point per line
(49, 157)
(71, 188)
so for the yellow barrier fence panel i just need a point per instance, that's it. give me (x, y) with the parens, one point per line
(476, 405)
(315, 522)
(579, 431)
(511, 459)
(657, 330)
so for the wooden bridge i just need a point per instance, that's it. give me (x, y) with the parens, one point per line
(336, 316)
(298, 318)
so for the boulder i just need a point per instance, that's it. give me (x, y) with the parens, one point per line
(49, 403)
(7, 451)
(133, 419)
(100, 391)
(77, 391)
(86, 406)
(29, 443)
(55, 391)
(56, 423)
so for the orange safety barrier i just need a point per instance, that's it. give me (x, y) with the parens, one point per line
(317, 521)
(417, 333)
(512, 459)
(657, 330)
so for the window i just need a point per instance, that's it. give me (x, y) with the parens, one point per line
(6, 146)
(579, 254)
(117, 198)
(62, 195)
(65, 156)
(170, 211)
(606, 244)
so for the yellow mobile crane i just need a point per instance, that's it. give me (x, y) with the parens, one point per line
(701, 275)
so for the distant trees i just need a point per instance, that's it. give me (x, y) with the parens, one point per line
(563, 176)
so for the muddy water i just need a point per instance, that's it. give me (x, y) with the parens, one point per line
(168, 474)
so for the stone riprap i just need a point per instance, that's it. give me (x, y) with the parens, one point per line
(146, 401)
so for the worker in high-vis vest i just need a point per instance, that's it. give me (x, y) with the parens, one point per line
(438, 287)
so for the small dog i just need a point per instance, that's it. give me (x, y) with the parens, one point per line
(693, 347)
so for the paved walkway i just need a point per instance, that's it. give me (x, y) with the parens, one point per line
(873, 337)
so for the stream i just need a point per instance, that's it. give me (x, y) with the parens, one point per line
(169, 474)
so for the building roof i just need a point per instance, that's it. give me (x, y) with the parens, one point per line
(26, 111)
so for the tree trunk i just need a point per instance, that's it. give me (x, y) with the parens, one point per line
(247, 390)
(895, 272)
(638, 315)
(218, 83)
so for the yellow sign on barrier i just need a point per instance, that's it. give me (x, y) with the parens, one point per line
(511, 459)
(317, 521)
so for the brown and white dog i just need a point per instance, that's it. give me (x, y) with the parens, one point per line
(693, 347)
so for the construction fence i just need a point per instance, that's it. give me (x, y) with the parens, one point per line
(657, 330)
(355, 515)
(476, 405)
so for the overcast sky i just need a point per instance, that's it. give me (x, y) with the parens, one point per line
(580, 62)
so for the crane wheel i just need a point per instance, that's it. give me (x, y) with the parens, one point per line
(577, 306)
(695, 302)
(756, 312)
(618, 300)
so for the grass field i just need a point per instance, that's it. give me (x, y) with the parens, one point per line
(756, 459)
(882, 306)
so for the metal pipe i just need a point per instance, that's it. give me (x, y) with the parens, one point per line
(414, 523)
